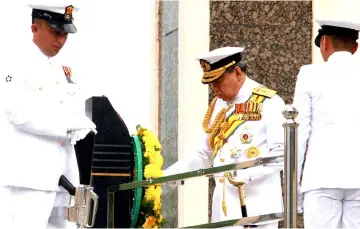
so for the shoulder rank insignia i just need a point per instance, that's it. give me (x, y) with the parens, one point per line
(266, 92)
(249, 111)
(67, 71)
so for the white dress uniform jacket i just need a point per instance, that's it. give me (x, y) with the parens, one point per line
(326, 98)
(263, 190)
(40, 106)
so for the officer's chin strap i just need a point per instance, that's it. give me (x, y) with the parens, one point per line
(80, 209)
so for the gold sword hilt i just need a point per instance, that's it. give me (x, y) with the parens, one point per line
(239, 185)
(241, 192)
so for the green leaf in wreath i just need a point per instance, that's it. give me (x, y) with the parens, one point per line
(147, 206)
(163, 222)
(145, 161)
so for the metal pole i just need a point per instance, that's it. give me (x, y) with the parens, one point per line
(290, 167)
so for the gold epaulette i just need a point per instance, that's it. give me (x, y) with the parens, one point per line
(263, 91)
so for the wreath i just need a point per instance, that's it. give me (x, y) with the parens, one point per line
(150, 209)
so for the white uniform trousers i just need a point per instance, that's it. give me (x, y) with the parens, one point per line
(262, 226)
(25, 208)
(57, 218)
(60, 222)
(332, 208)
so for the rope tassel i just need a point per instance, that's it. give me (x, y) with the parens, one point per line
(223, 200)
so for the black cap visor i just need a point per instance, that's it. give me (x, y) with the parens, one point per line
(318, 39)
(67, 28)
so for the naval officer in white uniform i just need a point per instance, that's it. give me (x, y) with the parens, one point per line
(43, 116)
(241, 140)
(326, 98)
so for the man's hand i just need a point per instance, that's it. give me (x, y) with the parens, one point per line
(81, 127)
(241, 175)
(77, 135)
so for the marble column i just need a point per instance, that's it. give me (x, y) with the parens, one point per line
(169, 13)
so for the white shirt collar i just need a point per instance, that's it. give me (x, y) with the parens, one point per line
(340, 55)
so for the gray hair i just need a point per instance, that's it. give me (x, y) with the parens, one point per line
(240, 64)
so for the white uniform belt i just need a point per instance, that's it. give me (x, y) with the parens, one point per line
(59, 213)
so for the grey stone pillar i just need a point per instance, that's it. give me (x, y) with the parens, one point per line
(169, 23)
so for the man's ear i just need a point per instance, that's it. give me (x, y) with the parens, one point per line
(325, 42)
(34, 28)
(355, 48)
(239, 73)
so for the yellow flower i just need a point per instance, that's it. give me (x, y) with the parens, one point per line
(159, 161)
(150, 222)
(145, 139)
(152, 159)
(140, 130)
(152, 151)
(149, 146)
(149, 193)
(157, 204)
(152, 171)
(145, 132)
(146, 154)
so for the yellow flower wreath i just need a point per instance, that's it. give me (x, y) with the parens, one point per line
(153, 162)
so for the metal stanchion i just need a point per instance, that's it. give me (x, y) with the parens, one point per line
(290, 164)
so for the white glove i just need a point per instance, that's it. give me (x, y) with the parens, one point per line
(77, 135)
(300, 201)
(242, 175)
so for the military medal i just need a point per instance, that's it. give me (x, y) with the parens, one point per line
(252, 152)
(249, 111)
(246, 136)
(235, 153)
(8, 78)
(238, 116)
(67, 72)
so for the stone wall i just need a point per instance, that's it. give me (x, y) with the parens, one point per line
(169, 24)
(276, 35)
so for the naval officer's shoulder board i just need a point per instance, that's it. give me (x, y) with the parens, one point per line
(263, 91)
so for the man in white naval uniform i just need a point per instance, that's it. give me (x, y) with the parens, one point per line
(248, 140)
(44, 117)
(323, 94)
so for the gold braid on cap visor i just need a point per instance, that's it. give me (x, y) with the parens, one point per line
(215, 74)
